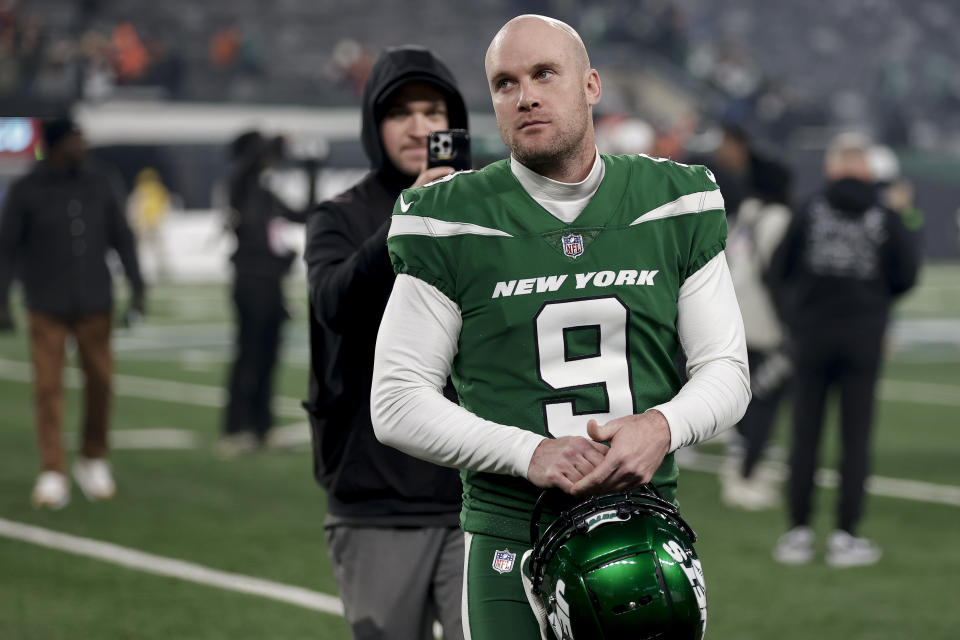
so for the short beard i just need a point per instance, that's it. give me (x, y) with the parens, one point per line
(544, 162)
(553, 159)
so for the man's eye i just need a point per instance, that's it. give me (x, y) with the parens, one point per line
(503, 84)
(543, 75)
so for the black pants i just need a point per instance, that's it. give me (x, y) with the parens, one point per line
(770, 373)
(260, 314)
(850, 361)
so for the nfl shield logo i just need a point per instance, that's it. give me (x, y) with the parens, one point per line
(572, 245)
(503, 561)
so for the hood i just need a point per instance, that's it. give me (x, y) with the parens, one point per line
(395, 67)
(851, 195)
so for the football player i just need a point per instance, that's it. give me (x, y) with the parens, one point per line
(556, 287)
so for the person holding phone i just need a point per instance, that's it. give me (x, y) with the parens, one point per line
(392, 523)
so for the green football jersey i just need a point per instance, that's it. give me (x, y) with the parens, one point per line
(561, 322)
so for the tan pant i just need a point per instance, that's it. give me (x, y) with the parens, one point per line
(48, 337)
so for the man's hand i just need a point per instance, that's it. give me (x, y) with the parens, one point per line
(638, 444)
(429, 175)
(561, 462)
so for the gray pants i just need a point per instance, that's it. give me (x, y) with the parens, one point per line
(395, 582)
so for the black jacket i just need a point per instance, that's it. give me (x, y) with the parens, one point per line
(350, 279)
(842, 261)
(55, 232)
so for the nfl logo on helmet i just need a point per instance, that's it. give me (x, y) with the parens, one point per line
(503, 561)
(572, 245)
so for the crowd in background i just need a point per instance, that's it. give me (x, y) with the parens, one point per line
(773, 67)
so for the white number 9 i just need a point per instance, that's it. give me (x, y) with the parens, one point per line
(608, 368)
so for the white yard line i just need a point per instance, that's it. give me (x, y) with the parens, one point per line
(944, 395)
(877, 485)
(169, 567)
(152, 439)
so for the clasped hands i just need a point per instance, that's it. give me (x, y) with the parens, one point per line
(581, 467)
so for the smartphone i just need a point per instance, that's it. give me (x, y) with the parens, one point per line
(450, 148)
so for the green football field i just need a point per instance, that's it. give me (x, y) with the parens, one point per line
(247, 532)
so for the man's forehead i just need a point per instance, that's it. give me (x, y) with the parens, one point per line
(415, 91)
(530, 40)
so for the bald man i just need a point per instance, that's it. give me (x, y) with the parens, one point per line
(556, 287)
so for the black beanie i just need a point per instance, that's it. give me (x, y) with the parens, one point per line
(55, 130)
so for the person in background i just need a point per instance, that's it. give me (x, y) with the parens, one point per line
(58, 224)
(392, 520)
(757, 229)
(843, 260)
(261, 260)
(148, 206)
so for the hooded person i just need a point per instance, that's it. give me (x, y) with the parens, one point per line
(392, 522)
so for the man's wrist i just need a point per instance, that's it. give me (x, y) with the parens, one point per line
(661, 419)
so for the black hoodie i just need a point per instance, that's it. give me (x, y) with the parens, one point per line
(842, 261)
(350, 279)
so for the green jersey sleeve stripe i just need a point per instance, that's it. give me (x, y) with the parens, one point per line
(424, 226)
(690, 203)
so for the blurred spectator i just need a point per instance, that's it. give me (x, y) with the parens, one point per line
(58, 223)
(844, 258)
(756, 231)
(623, 135)
(260, 262)
(224, 48)
(30, 45)
(351, 64)
(130, 56)
(148, 206)
(98, 77)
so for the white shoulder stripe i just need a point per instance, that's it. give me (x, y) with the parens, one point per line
(690, 203)
(423, 226)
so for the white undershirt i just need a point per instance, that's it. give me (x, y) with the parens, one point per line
(565, 200)
(421, 328)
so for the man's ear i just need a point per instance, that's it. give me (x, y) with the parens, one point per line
(592, 87)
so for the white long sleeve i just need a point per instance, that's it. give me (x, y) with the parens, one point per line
(415, 348)
(418, 340)
(711, 333)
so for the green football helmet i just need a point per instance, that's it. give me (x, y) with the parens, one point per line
(618, 566)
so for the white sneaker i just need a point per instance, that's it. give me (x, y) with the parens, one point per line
(750, 494)
(795, 546)
(94, 477)
(845, 550)
(52, 490)
(237, 444)
(756, 493)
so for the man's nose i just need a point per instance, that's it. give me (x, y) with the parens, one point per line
(420, 125)
(528, 96)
